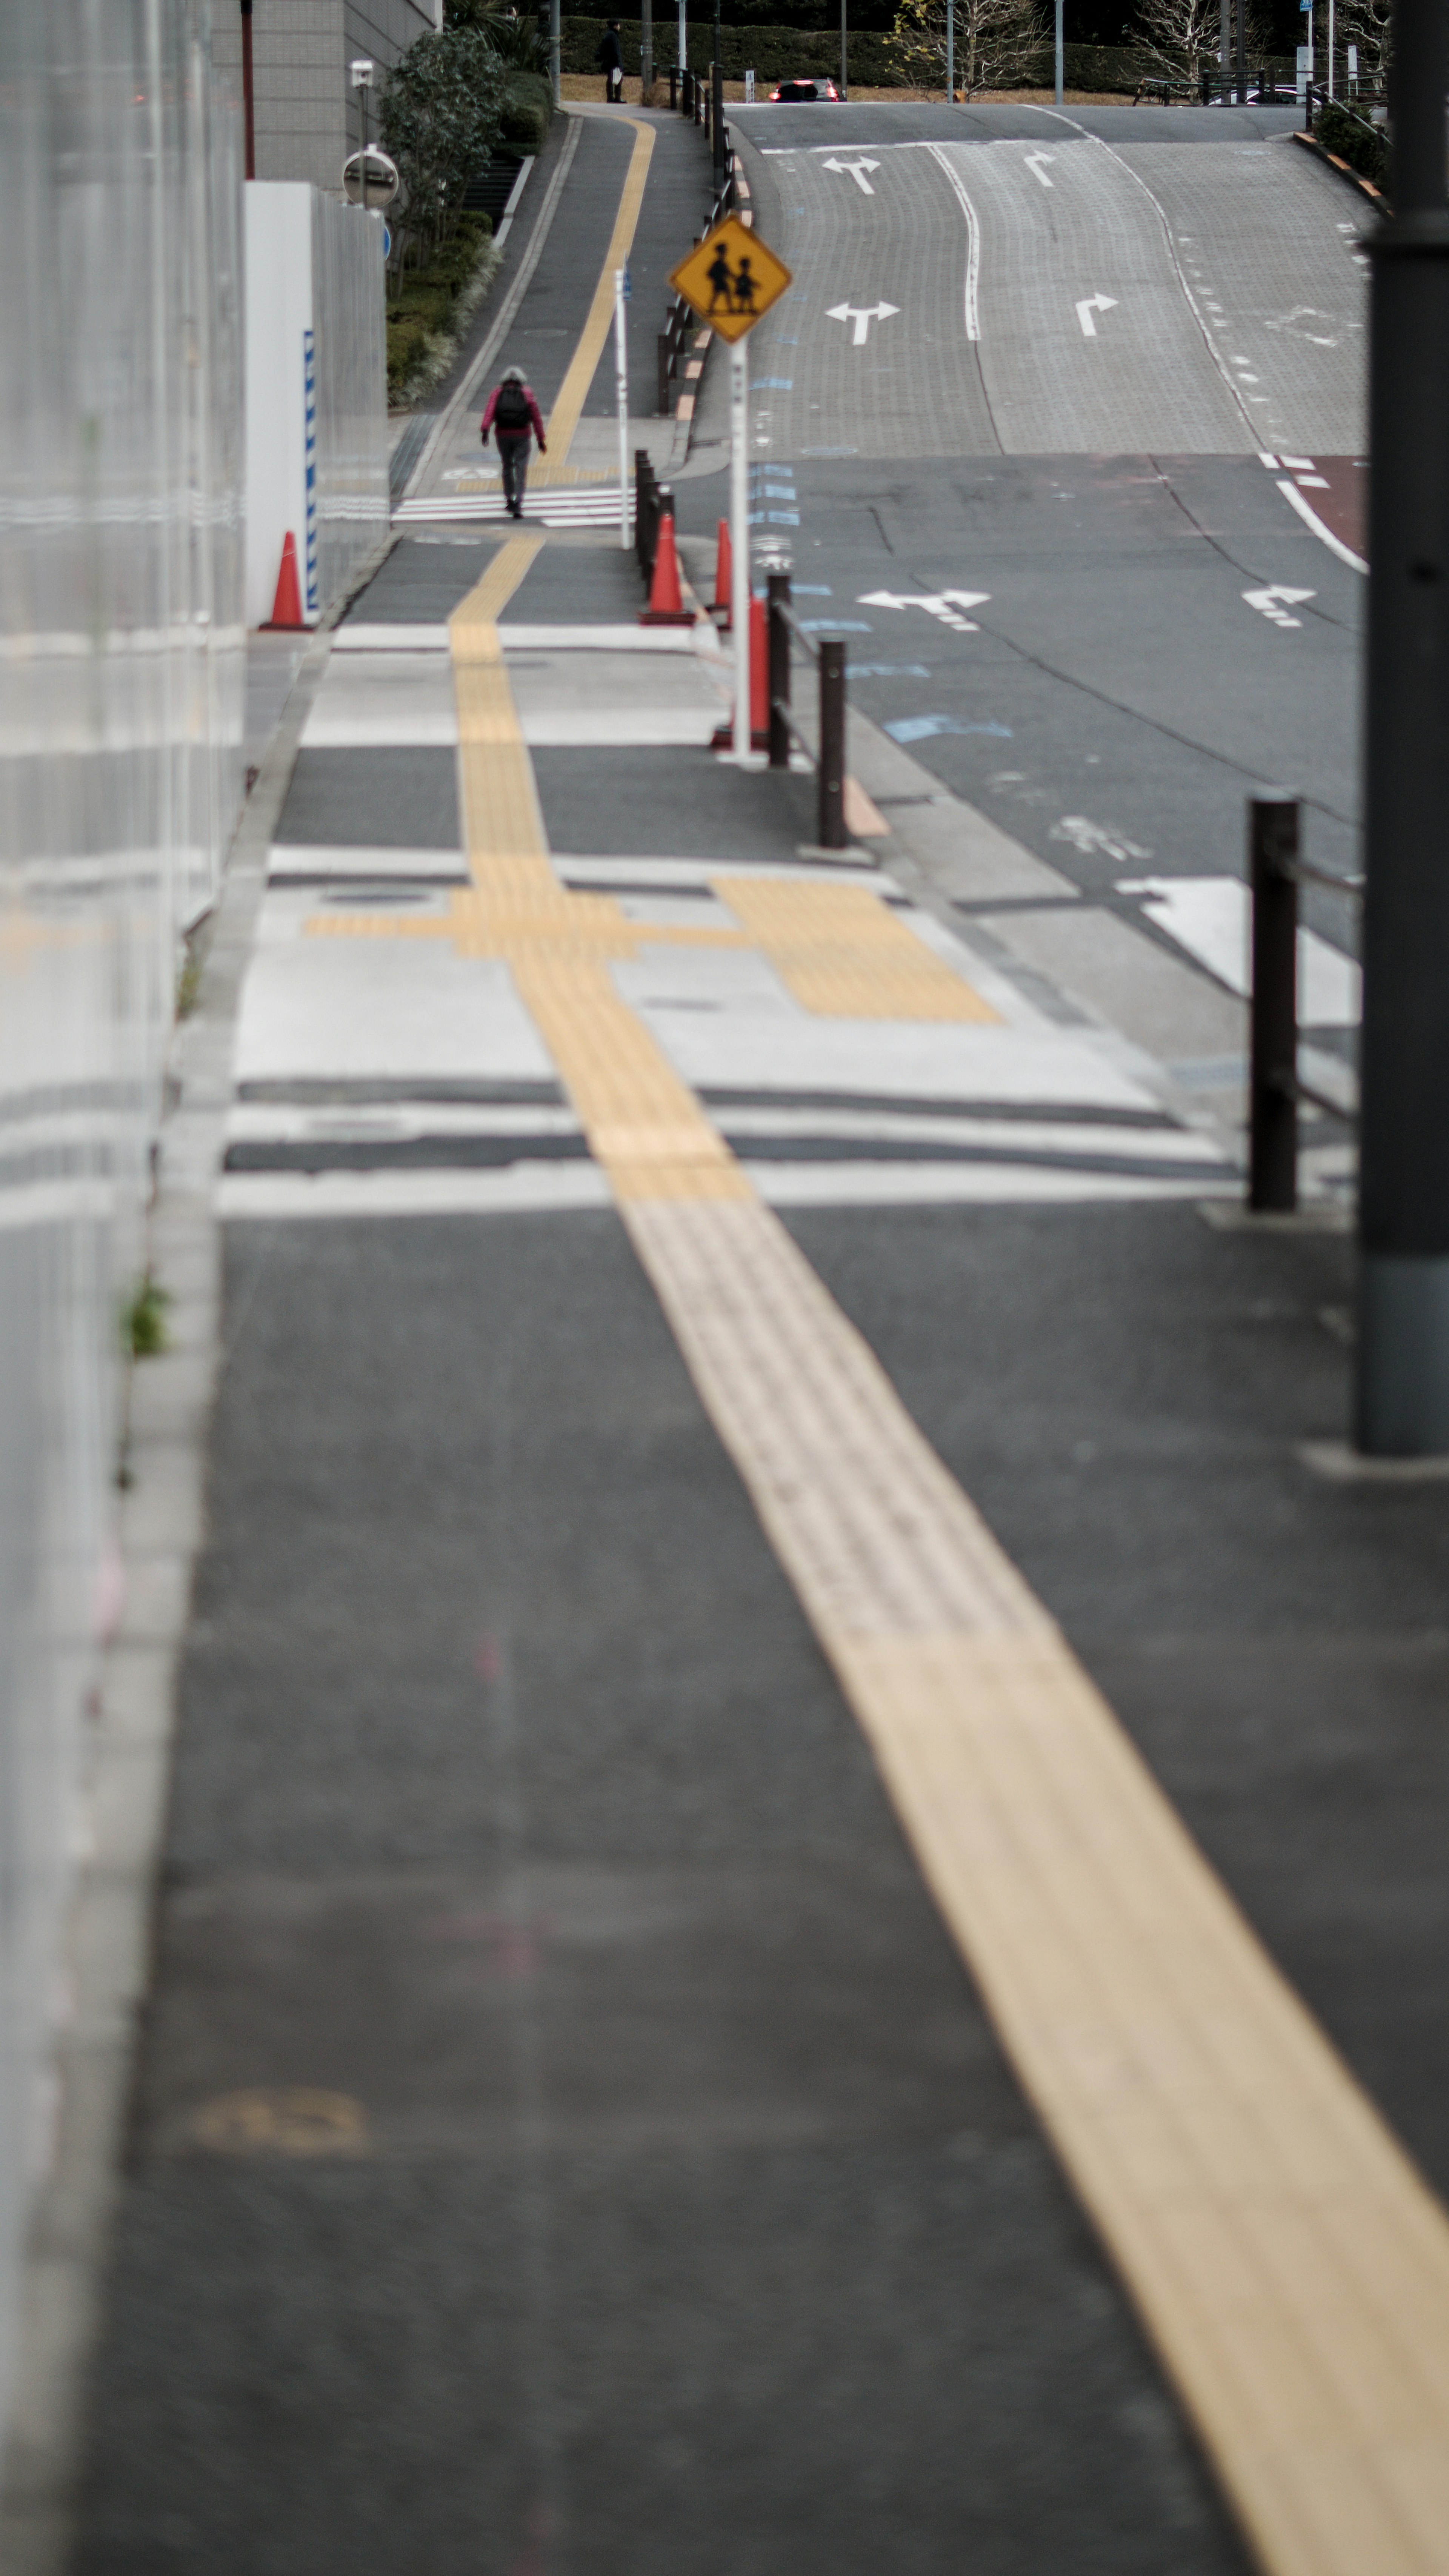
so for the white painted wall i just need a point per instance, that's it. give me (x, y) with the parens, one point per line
(313, 273)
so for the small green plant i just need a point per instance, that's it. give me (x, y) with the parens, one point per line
(143, 1320)
(188, 986)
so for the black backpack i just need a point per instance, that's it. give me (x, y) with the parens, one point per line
(511, 409)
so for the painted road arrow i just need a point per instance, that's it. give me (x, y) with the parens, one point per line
(862, 315)
(944, 604)
(1089, 305)
(855, 170)
(1034, 162)
(1275, 602)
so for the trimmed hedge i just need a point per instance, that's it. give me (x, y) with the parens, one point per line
(1365, 149)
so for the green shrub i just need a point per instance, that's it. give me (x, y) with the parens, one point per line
(527, 111)
(423, 301)
(1364, 147)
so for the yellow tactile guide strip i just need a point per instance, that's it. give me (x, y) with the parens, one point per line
(1289, 2263)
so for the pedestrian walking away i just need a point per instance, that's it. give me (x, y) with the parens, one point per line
(611, 62)
(514, 418)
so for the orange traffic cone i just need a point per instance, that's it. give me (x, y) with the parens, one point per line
(666, 604)
(723, 736)
(723, 573)
(287, 606)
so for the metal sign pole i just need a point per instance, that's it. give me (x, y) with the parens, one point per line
(950, 51)
(621, 387)
(740, 539)
(1060, 52)
(1403, 1344)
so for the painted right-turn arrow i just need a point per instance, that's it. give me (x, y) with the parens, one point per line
(1089, 305)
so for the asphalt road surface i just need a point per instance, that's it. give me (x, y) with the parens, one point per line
(1056, 425)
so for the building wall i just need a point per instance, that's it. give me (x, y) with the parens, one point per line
(307, 117)
(121, 681)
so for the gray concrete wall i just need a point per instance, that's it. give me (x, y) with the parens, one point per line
(307, 116)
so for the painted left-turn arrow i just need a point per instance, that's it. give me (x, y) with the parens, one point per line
(1089, 305)
(944, 604)
(862, 315)
(855, 170)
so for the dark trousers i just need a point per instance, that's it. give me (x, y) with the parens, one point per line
(513, 457)
(614, 86)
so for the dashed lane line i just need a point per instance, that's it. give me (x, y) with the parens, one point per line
(1285, 2256)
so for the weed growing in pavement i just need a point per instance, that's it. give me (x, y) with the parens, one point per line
(143, 1321)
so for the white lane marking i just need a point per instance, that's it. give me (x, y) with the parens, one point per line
(1211, 917)
(1275, 602)
(1089, 305)
(1034, 162)
(862, 315)
(973, 240)
(1334, 544)
(1094, 840)
(942, 604)
(855, 170)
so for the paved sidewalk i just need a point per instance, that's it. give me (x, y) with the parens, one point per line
(684, 2035)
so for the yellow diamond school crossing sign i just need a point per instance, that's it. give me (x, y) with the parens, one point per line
(731, 278)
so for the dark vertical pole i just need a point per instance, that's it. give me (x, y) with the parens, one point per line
(1242, 10)
(248, 95)
(664, 354)
(719, 126)
(831, 821)
(1273, 1098)
(646, 47)
(844, 69)
(777, 590)
(1403, 1344)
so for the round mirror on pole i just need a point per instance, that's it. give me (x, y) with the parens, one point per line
(370, 179)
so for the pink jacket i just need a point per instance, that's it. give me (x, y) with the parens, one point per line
(534, 414)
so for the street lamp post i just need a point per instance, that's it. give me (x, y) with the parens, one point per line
(844, 72)
(1061, 50)
(248, 95)
(1403, 1345)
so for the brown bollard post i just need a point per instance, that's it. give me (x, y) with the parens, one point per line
(832, 744)
(1273, 1072)
(777, 591)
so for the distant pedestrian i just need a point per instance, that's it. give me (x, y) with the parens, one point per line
(611, 62)
(514, 417)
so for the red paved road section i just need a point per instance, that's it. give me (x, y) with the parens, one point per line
(1339, 498)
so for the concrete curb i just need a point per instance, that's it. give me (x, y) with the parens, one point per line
(1364, 186)
(160, 1526)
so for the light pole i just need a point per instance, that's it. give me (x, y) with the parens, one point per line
(646, 47)
(1061, 51)
(362, 72)
(844, 72)
(248, 103)
(1403, 1344)
(950, 52)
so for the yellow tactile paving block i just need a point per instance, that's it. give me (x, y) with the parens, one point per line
(844, 955)
(472, 627)
(1288, 2261)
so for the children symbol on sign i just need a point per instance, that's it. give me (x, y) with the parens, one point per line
(735, 289)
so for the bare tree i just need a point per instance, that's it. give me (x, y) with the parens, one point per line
(1367, 24)
(998, 43)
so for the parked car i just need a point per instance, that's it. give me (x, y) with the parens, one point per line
(796, 89)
